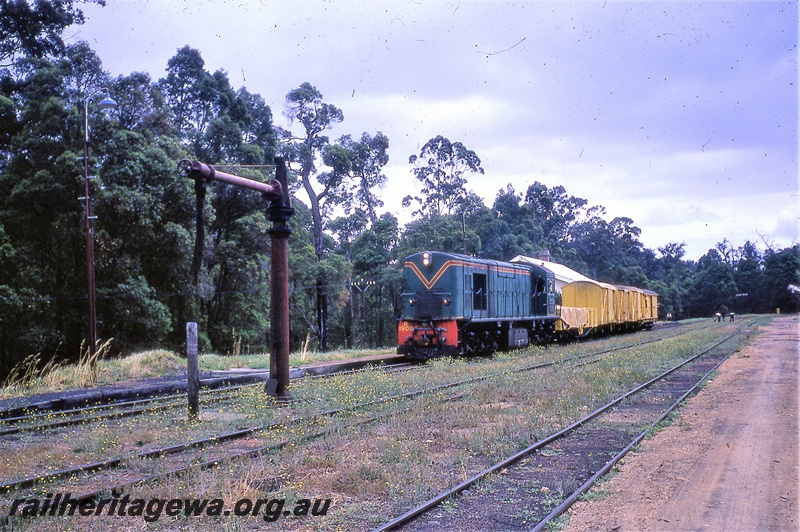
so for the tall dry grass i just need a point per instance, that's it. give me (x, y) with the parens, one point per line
(30, 376)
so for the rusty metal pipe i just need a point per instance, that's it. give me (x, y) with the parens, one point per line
(207, 172)
(279, 212)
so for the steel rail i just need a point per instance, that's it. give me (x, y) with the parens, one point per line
(173, 449)
(569, 501)
(112, 415)
(137, 402)
(251, 453)
(109, 399)
(199, 443)
(210, 464)
(436, 500)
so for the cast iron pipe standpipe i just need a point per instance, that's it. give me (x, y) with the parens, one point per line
(276, 191)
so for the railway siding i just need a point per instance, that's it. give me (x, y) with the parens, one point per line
(524, 492)
(728, 462)
(158, 386)
(436, 439)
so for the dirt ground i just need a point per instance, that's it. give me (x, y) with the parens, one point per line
(728, 463)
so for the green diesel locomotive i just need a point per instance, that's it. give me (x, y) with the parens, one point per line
(455, 304)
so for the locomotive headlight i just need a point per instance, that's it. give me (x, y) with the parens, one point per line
(411, 302)
(426, 258)
(446, 302)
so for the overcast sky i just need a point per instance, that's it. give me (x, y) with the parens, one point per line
(680, 115)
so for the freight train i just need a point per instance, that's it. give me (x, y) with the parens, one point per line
(459, 305)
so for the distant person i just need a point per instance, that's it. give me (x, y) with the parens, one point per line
(718, 316)
(731, 316)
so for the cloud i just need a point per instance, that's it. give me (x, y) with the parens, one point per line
(680, 115)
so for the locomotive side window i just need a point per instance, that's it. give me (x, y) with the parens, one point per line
(539, 285)
(480, 299)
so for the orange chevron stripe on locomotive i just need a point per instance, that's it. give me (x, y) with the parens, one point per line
(429, 283)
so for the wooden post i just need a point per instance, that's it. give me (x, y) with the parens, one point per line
(192, 366)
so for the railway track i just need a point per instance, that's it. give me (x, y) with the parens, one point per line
(164, 388)
(529, 489)
(48, 416)
(193, 450)
(57, 413)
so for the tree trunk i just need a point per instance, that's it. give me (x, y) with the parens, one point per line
(322, 314)
(321, 288)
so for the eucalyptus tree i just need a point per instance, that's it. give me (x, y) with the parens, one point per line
(144, 239)
(41, 224)
(628, 260)
(712, 286)
(670, 279)
(34, 29)
(140, 105)
(555, 211)
(306, 106)
(782, 279)
(591, 239)
(346, 229)
(749, 276)
(511, 229)
(9, 127)
(259, 136)
(182, 89)
(379, 280)
(221, 126)
(363, 161)
(367, 157)
(82, 71)
(195, 99)
(354, 169)
(347, 176)
(443, 168)
(431, 232)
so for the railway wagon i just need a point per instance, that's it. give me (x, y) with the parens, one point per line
(590, 307)
(456, 304)
(649, 307)
(600, 301)
(626, 304)
(640, 307)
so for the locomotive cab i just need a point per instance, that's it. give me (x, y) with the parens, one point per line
(543, 291)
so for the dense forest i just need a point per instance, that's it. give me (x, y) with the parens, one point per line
(345, 253)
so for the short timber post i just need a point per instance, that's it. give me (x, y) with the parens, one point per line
(279, 211)
(193, 371)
